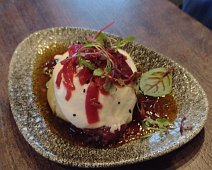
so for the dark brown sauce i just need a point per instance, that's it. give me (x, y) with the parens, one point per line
(154, 107)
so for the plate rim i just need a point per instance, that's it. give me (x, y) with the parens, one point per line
(113, 164)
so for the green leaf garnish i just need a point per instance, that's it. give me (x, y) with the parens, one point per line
(90, 44)
(101, 38)
(98, 72)
(146, 136)
(107, 70)
(120, 43)
(158, 125)
(110, 87)
(86, 63)
(162, 122)
(156, 82)
(108, 67)
(129, 38)
(107, 86)
(149, 122)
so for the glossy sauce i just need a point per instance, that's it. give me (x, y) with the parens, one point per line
(151, 106)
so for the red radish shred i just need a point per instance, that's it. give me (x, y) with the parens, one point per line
(104, 28)
(59, 78)
(100, 83)
(67, 72)
(84, 76)
(91, 103)
(73, 49)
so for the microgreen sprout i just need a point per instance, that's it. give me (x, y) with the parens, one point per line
(158, 125)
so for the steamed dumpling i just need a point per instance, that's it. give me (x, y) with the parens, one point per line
(116, 110)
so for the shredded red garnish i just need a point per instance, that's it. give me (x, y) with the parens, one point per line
(92, 104)
(66, 75)
(84, 76)
(104, 28)
(100, 83)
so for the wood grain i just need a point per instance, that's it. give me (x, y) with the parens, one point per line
(157, 24)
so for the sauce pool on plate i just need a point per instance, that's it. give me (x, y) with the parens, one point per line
(153, 107)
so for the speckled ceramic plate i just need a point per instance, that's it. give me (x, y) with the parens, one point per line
(189, 94)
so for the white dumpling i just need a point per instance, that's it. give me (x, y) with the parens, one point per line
(117, 108)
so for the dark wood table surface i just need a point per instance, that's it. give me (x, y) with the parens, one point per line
(157, 24)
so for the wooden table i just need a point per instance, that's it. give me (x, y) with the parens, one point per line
(157, 24)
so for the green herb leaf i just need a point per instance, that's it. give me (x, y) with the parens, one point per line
(110, 87)
(98, 72)
(108, 67)
(89, 45)
(120, 43)
(146, 136)
(129, 38)
(101, 37)
(107, 70)
(159, 125)
(156, 82)
(107, 86)
(86, 63)
(149, 122)
(162, 122)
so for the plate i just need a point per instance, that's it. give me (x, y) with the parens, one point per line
(191, 99)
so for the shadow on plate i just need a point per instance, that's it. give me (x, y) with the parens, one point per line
(171, 160)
